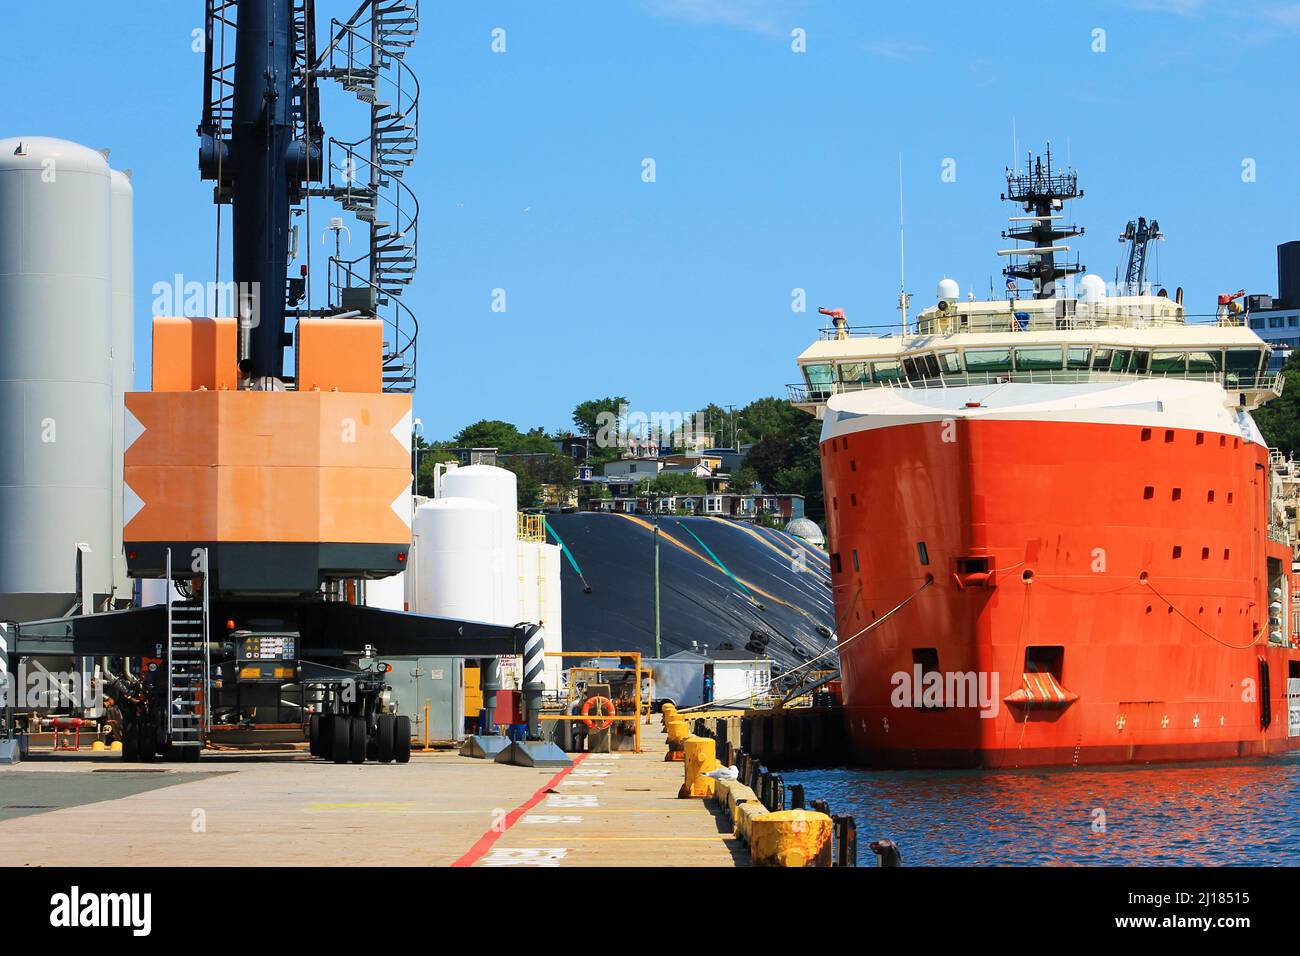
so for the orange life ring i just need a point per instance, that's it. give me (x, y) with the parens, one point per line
(586, 709)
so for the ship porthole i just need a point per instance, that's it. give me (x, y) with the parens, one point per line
(1027, 577)
(1142, 578)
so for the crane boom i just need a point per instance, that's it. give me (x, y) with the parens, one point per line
(1139, 234)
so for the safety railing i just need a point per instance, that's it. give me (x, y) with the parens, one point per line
(532, 527)
(804, 394)
(1124, 317)
(638, 673)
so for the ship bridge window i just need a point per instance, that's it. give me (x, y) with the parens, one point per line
(924, 365)
(1243, 361)
(819, 376)
(1101, 359)
(1078, 356)
(1119, 360)
(988, 360)
(1048, 357)
(1204, 361)
(949, 363)
(1141, 361)
(887, 371)
(1169, 363)
(855, 372)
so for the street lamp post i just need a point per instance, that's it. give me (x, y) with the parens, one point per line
(417, 430)
(658, 647)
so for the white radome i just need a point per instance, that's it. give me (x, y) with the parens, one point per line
(1092, 288)
(948, 291)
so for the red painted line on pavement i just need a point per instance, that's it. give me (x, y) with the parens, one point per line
(486, 840)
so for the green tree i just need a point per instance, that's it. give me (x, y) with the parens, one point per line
(677, 483)
(743, 479)
(586, 414)
(489, 433)
(717, 422)
(769, 455)
(768, 416)
(534, 441)
(430, 454)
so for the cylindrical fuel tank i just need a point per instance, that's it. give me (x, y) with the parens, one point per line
(496, 486)
(56, 374)
(122, 237)
(457, 540)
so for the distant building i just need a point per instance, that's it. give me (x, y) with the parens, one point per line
(1276, 320)
(576, 447)
(746, 507)
(476, 456)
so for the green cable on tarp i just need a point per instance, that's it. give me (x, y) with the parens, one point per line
(586, 588)
(718, 562)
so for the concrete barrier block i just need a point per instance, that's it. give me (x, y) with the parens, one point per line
(746, 814)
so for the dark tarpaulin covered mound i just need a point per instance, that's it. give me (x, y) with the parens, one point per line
(781, 588)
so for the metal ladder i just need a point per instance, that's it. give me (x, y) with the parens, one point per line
(188, 661)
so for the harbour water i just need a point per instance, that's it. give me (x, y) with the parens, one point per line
(1221, 814)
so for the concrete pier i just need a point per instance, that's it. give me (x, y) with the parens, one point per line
(439, 810)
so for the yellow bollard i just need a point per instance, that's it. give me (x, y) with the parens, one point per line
(116, 747)
(678, 731)
(701, 757)
(795, 838)
(98, 746)
(669, 713)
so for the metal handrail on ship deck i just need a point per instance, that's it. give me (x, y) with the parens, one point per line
(804, 394)
(1047, 321)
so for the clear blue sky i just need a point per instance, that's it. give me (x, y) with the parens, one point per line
(775, 170)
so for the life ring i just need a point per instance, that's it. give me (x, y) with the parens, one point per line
(586, 709)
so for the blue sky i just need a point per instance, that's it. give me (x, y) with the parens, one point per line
(775, 170)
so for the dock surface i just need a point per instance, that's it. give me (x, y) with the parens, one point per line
(441, 809)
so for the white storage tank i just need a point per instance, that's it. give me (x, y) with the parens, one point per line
(539, 600)
(497, 487)
(388, 593)
(458, 540)
(56, 374)
(123, 351)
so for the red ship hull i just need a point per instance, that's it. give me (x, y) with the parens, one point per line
(1107, 585)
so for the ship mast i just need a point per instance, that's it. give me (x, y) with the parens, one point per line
(1042, 191)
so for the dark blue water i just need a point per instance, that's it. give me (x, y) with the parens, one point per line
(1244, 812)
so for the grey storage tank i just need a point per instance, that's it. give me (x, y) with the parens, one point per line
(122, 236)
(57, 382)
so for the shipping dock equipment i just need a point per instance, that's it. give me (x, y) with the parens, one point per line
(268, 499)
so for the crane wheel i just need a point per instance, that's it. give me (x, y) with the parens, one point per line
(402, 738)
(148, 741)
(340, 738)
(130, 742)
(385, 738)
(357, 739)
(325, 737)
